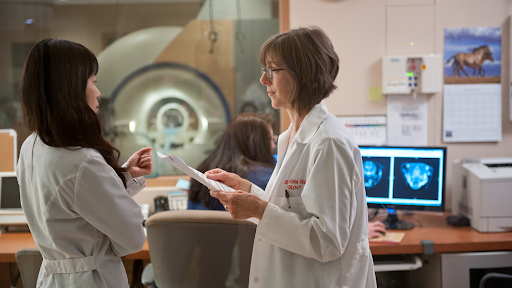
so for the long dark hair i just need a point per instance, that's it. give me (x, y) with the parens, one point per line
(54, 100)
(245, 143)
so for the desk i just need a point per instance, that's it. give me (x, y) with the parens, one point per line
(446, 238)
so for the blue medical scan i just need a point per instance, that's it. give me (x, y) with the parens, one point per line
(416, 174)
(372, 173)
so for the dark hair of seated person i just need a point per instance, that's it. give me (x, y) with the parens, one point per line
(244, 149)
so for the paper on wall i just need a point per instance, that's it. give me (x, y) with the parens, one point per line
(200, 177)
(366, 130)
(407, 120)
(472, 113)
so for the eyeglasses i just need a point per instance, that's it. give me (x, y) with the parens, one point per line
(269, 71)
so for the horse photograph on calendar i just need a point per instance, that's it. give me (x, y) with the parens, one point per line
(472, 55)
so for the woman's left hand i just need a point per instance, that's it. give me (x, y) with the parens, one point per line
(140, 163)
(240, 204)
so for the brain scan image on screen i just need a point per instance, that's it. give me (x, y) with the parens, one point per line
(416, 178)
(416, 174)
(376, 176)
(372, 173)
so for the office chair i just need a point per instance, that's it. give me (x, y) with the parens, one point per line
(29, 261)
(496, 280)
(198, 248)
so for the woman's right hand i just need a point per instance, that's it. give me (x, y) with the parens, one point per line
(230, 179)
(376, 229)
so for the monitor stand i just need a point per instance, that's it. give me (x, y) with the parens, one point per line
(392, 222)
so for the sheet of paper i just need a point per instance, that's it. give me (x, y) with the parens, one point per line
(472, 113)
(407, 120)
(175, 161)
(366, 130)
(390, 237)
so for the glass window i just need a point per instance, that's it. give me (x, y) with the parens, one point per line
(172, 73)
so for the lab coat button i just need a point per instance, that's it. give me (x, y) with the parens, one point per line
(259, 239)
(256, 279)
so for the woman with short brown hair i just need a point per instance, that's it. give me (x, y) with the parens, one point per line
(312, 229)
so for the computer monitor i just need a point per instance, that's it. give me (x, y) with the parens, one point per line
(9, 193)
(10, 204)
(411, 178)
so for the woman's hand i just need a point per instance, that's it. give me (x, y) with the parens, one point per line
(230, 179)
(240, 204)
(139, 164)
(376, 229)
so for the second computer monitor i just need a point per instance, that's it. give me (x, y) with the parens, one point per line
(404, 177)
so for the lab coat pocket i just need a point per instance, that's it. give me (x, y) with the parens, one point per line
(91, 278)
(293, 204)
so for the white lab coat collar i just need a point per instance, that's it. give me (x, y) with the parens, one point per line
(307, 130)
(311, 123)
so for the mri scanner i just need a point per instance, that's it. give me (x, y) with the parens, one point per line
(172, 89)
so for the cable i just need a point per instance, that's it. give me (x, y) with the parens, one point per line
(239, 35)
(375, 213)
(212, 35)
(114, 23)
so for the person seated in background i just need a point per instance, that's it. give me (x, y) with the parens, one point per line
(376, 229)
(244, 149)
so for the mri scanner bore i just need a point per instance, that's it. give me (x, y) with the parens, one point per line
(171, 107)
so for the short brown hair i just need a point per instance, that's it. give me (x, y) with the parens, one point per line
(308, 56)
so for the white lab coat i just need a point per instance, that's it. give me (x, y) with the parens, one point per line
(322, 240)
(80, 215)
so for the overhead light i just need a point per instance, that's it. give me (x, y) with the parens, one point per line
(29, 21)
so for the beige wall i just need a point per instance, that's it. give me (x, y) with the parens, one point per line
(363, 31)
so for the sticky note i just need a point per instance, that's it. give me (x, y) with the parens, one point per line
(374, 93)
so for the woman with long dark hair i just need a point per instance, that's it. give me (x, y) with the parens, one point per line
(244, 149)
(76, 197)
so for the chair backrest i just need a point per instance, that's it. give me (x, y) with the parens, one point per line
(198, 248)
(496, 280)
(29, 261)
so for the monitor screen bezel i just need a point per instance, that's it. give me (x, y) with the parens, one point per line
(440, 208)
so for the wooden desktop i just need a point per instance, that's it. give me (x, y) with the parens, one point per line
(445, 237)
